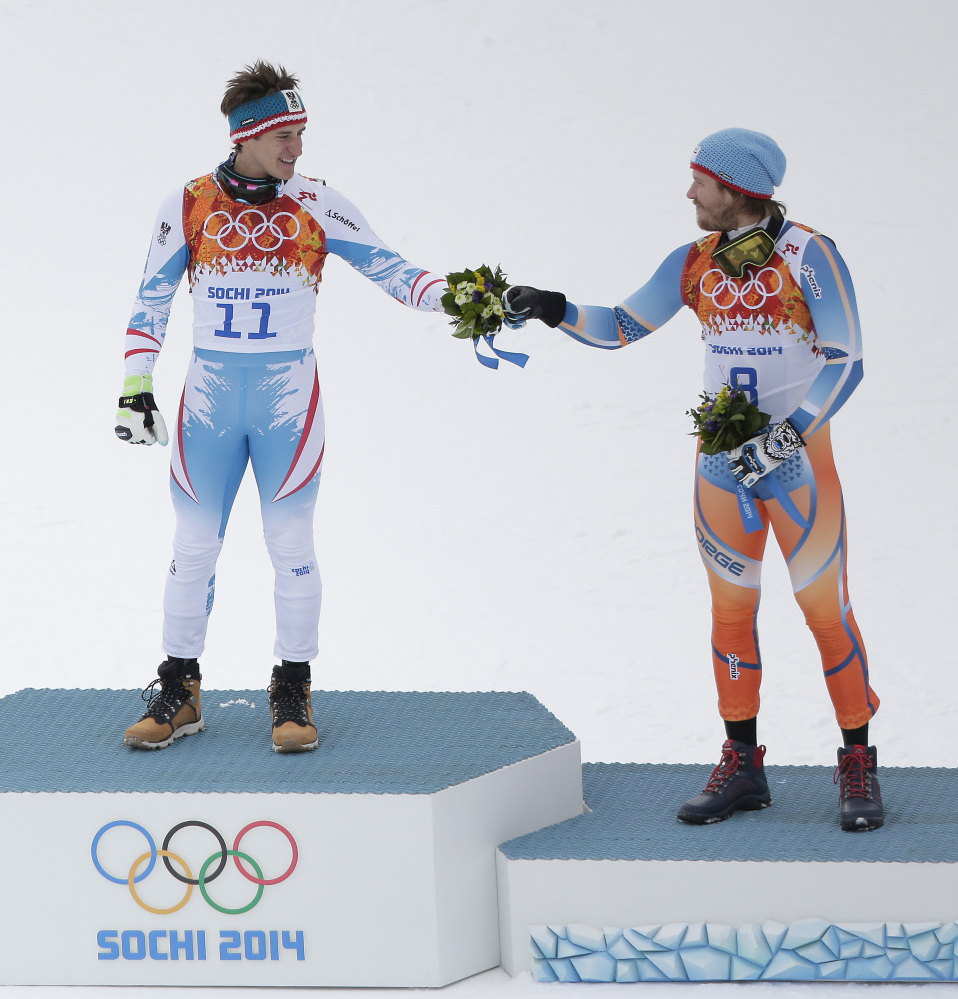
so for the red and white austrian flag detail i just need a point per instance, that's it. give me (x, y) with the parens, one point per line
(177, 465)
(309, 453)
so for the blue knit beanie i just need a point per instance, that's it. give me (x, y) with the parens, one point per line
(745, 161)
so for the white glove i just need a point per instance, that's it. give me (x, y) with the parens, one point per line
(764, 453)
(138, 421)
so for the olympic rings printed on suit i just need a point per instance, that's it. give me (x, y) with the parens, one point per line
(727, 291)
(204, 878)
(250, 226)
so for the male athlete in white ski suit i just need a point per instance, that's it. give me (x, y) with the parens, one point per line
(252, 392)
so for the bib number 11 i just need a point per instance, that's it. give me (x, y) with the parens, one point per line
(263, 333)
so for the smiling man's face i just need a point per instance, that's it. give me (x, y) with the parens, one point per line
(273, 154)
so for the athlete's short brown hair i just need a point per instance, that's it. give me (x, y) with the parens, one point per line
(254, 82)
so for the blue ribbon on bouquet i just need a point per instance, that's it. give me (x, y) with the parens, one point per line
(751, 519)
(492, 362)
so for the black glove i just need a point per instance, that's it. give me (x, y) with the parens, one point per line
(520, 302)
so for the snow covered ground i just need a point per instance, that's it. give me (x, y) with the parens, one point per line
(516, 530)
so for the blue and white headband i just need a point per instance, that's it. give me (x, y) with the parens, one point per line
(256, 117)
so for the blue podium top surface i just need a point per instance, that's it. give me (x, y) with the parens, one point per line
(634, 805)
(371, 742)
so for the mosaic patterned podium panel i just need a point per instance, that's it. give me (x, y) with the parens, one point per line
(627, 893)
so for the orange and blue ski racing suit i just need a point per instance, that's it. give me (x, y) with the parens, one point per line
(787, 332)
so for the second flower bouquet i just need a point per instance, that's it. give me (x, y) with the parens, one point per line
(726, 420)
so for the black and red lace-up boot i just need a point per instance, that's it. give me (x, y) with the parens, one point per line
(737, 783)
(859, 794)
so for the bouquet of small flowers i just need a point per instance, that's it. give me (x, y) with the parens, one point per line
(474, 300)
(726, 420)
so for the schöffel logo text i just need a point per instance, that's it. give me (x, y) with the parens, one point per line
(336, 217)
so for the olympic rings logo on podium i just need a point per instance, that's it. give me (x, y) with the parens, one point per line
(185, 875)
(255, 226)
(727, 291)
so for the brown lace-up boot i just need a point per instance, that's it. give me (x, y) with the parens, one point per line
(291, 706)
(172, 710)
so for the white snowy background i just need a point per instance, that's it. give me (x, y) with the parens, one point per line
(477, 530)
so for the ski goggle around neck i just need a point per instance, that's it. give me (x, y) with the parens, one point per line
(753, 247)
(248, 190)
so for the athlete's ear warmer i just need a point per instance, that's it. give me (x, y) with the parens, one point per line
(745, 161)
(256, 117)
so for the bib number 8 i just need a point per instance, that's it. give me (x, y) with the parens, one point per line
(745, 379)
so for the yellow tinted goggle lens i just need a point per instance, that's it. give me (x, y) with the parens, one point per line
(755, 247)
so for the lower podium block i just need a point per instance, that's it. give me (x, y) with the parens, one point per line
(628, 893)
(369, 862)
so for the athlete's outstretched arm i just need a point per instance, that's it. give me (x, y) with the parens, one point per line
(165, 265)
(828, 290)
(351, 237)
(599, 326)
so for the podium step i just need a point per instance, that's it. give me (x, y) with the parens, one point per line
(371, 742)
(780, 893)
(368, 862)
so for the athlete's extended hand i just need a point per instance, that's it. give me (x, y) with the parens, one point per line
(764, 453)
(520, 302)
(138, 421)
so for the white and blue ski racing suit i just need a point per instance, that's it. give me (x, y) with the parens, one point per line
(252, 393)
